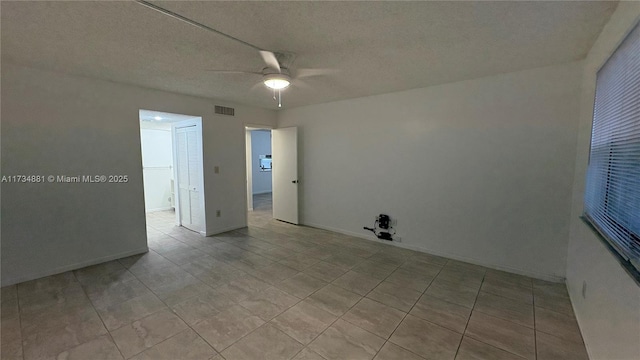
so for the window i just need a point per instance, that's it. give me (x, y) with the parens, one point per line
(612, 194)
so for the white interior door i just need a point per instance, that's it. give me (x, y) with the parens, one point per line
(188, 175)
(284, 154)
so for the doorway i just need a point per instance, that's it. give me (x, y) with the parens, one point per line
(272, 154)
(259, 176)
(171, 147)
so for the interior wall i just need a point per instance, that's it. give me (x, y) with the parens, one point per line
(260, 145)
(479, 170)
(60, 124)
(609, 314)
(157, 167)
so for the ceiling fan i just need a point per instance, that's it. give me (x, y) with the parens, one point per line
(277, 73)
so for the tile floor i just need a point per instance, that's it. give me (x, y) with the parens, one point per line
(278, 291)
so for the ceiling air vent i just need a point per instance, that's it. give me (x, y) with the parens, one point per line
(223, 110)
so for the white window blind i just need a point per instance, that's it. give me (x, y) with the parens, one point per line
(612, 194)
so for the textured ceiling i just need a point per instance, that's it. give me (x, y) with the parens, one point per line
(376, 47)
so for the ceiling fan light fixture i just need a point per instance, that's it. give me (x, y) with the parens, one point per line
(276, 81)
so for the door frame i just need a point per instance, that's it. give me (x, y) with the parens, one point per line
(200, 183)
(249, 164)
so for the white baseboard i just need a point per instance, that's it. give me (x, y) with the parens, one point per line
(529, 273)
(75, 266)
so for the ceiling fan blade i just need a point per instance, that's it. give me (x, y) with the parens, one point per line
(233, 72)
(270, 59)
(303, 73)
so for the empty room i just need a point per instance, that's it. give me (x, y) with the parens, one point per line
(320, 180)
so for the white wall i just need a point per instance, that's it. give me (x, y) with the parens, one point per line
(609, 315)
(479, 170)
(157, 171)
(260, 145)
(60, 124)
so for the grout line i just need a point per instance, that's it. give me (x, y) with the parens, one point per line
(470, 314)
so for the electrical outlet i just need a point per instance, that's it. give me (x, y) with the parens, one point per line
(394, 222)
(218, 212)
(397, 238)
(584, 289)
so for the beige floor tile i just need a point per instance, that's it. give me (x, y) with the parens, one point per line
(509, 278)
(394, 295)
(426, 339)
(99, 348)
(9, 309)
(10, 330)
(178, 291)
(215, 279)
(301, 285)
(144, 333)
(9, 293)
(92, 273)
(429, 259)
(269, 303)
(344, 259)
(505, 289)
(463, 266)
(119, 292)
(558, 324)
(325, 271)
(452, 292)
(56, 316)
(374, 317)
(503, 334)
(118, 315)
(550, 347)
(355, 282)
(203, 306)
(470, 279)
(409, 280)
(471, 349)
(274, 273)
(53, 282)
(108, 280)
(552, 296)
(242, 288)
(227, 327)
(421, 268)
(377, 270)
(391, 351)
(300, 261)
(11, 350)
(334, 299)
(157, 278)
(52, 341)
(304, 321)
(307, 354)
(70, 296)
(266, 343)
(449, 315)
(516, 311)
(186, 345)
(346, 341)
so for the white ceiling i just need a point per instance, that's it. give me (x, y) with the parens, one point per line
(377, 47)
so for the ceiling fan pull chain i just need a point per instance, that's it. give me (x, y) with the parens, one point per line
(279, 99)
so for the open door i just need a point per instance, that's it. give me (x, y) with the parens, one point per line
(189, 182)
(284, 150)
